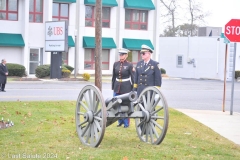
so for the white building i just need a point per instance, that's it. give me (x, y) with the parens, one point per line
(197, 57)
(126, 23)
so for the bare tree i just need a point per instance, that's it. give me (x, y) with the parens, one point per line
(171, 7)
(169, 32)
(196, 14)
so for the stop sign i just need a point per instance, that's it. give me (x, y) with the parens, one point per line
(232, 30)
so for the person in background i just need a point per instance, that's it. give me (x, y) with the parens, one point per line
(3, 75)
(148, 72)
(122, 79)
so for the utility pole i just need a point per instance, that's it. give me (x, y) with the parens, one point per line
(98, 43)
(75, 60)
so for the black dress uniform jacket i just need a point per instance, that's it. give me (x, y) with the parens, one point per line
(3, 71)
(150, 76)
(121, 72)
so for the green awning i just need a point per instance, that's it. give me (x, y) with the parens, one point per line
(11, 40)
(110, 3)
(70, 42)
(139, 4)
(107, 43)
(135, 44)
(65, 1)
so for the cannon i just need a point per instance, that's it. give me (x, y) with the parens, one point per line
(93, 114)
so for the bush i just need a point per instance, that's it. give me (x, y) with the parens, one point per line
(70, 68)
(15, 69)
(163, 71)
(66, 73)
(86, 76)
(42, 71)
(237, 74)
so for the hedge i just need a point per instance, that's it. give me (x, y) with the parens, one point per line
(70, 68)
(66, 73)
(16, 69)
(42, 71)
(163, 71)
(237, 74)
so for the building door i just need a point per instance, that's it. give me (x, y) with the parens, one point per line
(35, 60)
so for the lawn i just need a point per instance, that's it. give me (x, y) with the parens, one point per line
(46, 130)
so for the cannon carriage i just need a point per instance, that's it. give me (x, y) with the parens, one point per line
(93, 114)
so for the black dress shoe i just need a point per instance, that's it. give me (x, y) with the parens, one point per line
(3, 91)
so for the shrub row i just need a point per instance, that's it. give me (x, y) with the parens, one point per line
(16, 69)
(44, 71)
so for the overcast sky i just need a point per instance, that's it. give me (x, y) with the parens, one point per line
(221, 12)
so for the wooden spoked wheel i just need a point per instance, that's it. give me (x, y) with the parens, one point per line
(152, 128)
(90, 116)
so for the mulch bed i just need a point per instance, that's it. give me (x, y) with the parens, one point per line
(71, 79)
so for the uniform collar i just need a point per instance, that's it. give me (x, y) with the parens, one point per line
(123, 61)
(146, 62)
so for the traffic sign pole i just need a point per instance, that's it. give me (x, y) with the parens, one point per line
(233, 78)
(232, 32)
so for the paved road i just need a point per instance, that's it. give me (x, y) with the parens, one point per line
(180, 93)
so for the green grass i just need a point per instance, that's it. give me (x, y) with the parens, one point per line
(48, 129)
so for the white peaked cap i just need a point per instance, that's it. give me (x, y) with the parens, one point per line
(123, 50)
(146, 48)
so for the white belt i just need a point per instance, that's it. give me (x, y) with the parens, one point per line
(123, 80)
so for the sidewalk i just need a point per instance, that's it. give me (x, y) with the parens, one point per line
(223, 123)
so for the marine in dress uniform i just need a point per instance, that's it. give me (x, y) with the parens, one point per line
(122, 79)
(148, 72)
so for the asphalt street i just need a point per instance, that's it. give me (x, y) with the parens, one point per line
(179, 93)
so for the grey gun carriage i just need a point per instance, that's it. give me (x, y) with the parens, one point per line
(93, 114)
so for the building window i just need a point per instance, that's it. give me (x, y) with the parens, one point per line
(89, 60)
(90, 16)
(65, 58)
(60, 11)
(134, 57)
(136, 19)
(36, 11)
(9, 10)
(179, 61)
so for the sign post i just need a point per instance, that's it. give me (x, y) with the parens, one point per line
(226, 41)
(232, 32)
(56, 42)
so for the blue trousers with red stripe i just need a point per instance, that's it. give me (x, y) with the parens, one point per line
(123, 121)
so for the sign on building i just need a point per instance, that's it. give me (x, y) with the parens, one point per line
(56, 36)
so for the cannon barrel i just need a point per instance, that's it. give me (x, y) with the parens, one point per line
(126, 98)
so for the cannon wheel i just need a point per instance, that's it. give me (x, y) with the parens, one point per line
(90, 116)
(152, 128)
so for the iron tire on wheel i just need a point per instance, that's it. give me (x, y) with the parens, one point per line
(90, 116)
(153, 127)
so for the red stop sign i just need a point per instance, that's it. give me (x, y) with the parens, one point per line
(232, 30)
